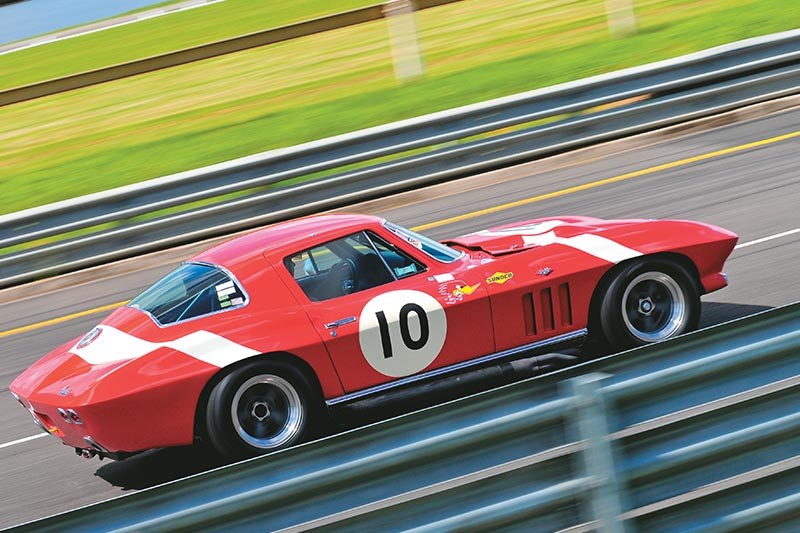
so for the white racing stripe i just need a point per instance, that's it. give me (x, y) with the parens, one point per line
(113, 345)
(542, 234)
(594, 245)
(536, 228)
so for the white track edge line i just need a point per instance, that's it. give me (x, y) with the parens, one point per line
(767, 238)
(24, 439)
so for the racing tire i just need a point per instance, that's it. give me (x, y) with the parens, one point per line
(647, 301)
(259, 408)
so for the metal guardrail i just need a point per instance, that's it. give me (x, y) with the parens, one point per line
(276, 185)
(205, 51)
(697, 433)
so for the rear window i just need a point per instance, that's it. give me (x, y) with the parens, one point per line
(190, 291)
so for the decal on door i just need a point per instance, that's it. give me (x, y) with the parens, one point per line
(461, 290)
(454, 292)
(402, 332)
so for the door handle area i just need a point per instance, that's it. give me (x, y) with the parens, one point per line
(340, 322)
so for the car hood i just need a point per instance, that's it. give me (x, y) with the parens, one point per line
(519, 236)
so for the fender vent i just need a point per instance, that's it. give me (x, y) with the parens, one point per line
(548, 319)
(565, 304)
(529, 314)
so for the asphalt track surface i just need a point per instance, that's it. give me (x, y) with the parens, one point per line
(754, 191)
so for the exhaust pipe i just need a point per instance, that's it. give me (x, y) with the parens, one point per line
(86, 453)
(95, 449)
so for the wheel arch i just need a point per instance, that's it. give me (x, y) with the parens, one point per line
(600, 289)
(286, 358)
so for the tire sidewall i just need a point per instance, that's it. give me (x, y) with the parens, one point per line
(615, 331)
(220, 429)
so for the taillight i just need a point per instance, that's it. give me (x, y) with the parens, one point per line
(70, 416)
(74, 416)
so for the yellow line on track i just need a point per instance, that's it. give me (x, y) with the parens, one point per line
(61, 319)
(481, 212)
(607, 181)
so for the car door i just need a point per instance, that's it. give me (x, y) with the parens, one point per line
(386, 311)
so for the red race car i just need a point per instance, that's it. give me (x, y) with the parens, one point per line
(248, 344)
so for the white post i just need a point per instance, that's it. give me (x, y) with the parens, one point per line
(592, 414)
(621, 17)
(404, 40)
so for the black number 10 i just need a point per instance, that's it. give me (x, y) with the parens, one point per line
(405, 333)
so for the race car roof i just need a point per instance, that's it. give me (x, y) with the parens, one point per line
(281, 239)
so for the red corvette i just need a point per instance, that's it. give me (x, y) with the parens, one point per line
(246, 345)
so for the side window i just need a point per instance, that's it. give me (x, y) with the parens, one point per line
(401, 264)
(351, 264)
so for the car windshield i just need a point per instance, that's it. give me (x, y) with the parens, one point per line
(437, 250)
(190, 291)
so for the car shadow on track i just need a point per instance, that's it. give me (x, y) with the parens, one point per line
(160, 466)
(155, 467)
(714, 313)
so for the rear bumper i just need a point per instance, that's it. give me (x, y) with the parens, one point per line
(150, 418)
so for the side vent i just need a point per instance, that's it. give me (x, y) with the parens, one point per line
(529, 314)
(548, 319)
(565, 304)
(548, 322)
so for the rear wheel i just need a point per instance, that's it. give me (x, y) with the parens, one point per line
(649, 301)
(258, 408)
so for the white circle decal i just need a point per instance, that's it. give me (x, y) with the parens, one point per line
(402, 332)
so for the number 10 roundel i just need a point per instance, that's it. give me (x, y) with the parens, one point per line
(402, 332)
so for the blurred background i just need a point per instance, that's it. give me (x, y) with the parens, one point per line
(179, 118)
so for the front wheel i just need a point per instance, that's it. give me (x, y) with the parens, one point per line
(649, 301)
(258, 408)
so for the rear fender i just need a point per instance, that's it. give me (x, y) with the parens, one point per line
(300, 364)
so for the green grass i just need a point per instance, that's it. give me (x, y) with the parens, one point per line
(160, 35)
(211, 111)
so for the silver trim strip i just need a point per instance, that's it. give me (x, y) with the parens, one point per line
(574, 335)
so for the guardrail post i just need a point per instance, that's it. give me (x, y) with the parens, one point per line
(597, 459)
(621, 17)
